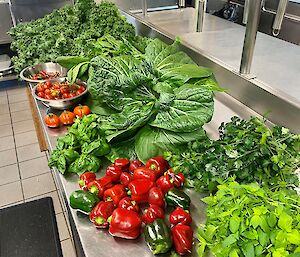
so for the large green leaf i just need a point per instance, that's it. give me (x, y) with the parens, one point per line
(122, 125)
(189, 111)
(152, 141)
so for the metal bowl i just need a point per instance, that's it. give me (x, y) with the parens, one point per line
(61, 104)
(48, 67)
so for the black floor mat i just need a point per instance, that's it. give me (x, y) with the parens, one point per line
(29, 230)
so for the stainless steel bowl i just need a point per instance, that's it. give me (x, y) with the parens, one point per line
(62, 104)
(48, 67)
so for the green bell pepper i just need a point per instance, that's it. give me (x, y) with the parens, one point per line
(176, 197)
(83, 201)
(158, 237)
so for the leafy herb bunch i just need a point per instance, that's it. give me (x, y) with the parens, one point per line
(248, 220)
(246, 150)
(79, 150)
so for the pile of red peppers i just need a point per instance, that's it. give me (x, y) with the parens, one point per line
(132, 197)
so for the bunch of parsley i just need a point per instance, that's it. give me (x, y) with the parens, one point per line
(70, 31)
(246, 150)
(250, 221)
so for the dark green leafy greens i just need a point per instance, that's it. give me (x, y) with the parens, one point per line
(164, 96)
(250, 221)
(71, 30)
(246, 150)
(79, 150)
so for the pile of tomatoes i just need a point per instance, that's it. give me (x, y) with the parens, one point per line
(66, 117)
(57, 91)
(43, 75)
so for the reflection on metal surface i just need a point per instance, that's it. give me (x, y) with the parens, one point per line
(250, 36)
(279, 17)
(200, 15)
(144, 7)
(246, 10)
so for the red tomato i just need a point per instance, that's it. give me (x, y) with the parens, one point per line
(67, 118)
(49, 97)
(51, 120)
(82, 88)
(78, 92)
(47, 91)
(72, 95)
(41, 94)
(56, 86)
(47, 84)
(40, 88)
(65, 95)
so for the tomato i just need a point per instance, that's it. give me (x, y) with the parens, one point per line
(72, 95)
(67, 118)
(47, 84)
(47, 91)
(65, 95)
(82, 88)
(41, 94)
(40, 88)
(48, 97)
(82, 110)
(55, 86)
(78, 92)
(51, 120)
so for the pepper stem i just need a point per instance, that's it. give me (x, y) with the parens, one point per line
(108, 199)
(99, 220)
(153, 166)
(94, 189)
(129, 193)
(109, 219)
(81, 182)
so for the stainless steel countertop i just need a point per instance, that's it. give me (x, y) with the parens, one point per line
(96, 242)
(275, 63)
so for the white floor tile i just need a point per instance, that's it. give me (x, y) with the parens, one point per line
(26, 138)
(10, 193)
(8, 157)
(38, 185)
(34, 167)
(29, 152)
(20, 116)
(5, 119)
(9, 174)
(7, 143)
(23, 126)
(19, 106)
(62, 227)
(6, 130)
(68, 248)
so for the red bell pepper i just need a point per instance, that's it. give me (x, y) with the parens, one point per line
(144, 173)
(165, 184)
(128, 204)
(115, 194)
(139, 189)
(125, 178)
(125, 224)
(152, 213)
(177, 178)
(114, 172)
(123, 163)
(158, 164)
(101, 212)
(183, 238)
(156, 197)
(98, 186)
(134, 165)
(85, 179)
(180, 216)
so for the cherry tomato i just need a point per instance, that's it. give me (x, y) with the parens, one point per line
(41, 94)
(67, 118)
(48, 97)
(54, 93)
(82, 110)
(65, 95)
(63, 90)
(55, 86)
(47, 84)
(51, 120)
(82, 88)
(72, 95)
(47, 91)
(78, 92)
(40, 88)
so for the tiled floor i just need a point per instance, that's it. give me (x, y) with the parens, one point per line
(24, 173)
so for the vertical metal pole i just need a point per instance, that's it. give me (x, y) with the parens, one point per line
(200, 15)
(181, 3)
(144, 7)
(250, 35)
(246, 10)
